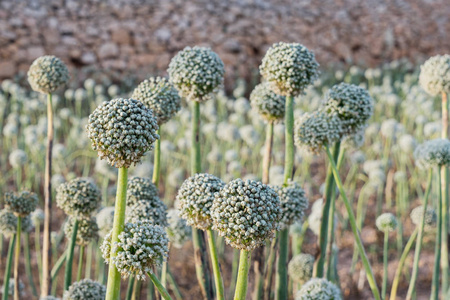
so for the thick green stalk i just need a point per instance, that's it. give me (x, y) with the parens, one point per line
(362, 252)
(281, 282)
(46, 249)
(69, 259)
(162, 290)
(289, 139)
(437, 249)
(157, 160)
(242, 279)
(130, 288)
(113, 285)
(58, 266)
(196, 166)
(415, 270)
(80, 263)
(28, 269)
(9, 263)
(17, 259)
(215, 266)
(385, 264)
(444, 242)
(401, 263)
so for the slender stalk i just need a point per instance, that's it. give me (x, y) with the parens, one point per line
(234, 272)
(401, 263)
(88, 265)
(267, 153)
(281, 283)
(157, 160)
(47, 250)
(69, 260)
(220, 293)
(162, 290)
(385, 264)
(289, 139)
(242, 280)
(415, 270)
(198, 236)
(130, 288)
(58, 266)
(164, 274)
(362, 252)
(268, 270)
(28, 270)
(9, 264)
(17, 258)
(174, 285)
(37, 246)
(437, 249)
(113, 285)
(80, 263)
(444, 242)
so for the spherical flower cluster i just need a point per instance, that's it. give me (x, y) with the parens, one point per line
(47, 74)
(178, 230)
(197, 73)
(87, 230)
(293, 203)
(435, 75)
(122, 131)
(433, 153)
(140, 188)
(18, 158)
(141, 246)
(268, 104)
(300, 268)
(351, 104)
(319, 289)
(195, 199)
(105, 220)
(78, 197)
(85, 289)
(289, 68)
(160, 96)
(22, 204)
(430, 217)
(246, 213)
(8, 223)
(153, 211)
(386, 222)
(314, 131)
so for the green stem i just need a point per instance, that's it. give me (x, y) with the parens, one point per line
(113, 285)
(385, 264)
(415, 270)
(195, 153)
(401, 263)
(28, 270)
(444, 242)
(220, 294)
(362, 252)
(437, 249)
(242, 280)
(157, 160)
(234, 271)
(174, 285)
(58, 266)
(130, 288)
(281, 283)
(267, 153)
(69, 260)
(162, 290)
(268, 269)
(17, 259)
(80, 263)
(164, 274)
(289, 140)
(9, 263)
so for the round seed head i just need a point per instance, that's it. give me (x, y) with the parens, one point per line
(141, 246)
(289, 68)
(435, 75)
(430, 217)
(47, 74)
(85, 289)
(386, 222)
(105, 220)
(197, 73)
(122, 131)
(269, 105)
(87, 230)
(178, 231)
(78, 197)
(314, 131)
(18, 158)
(351, 104)
(319, 289)
(159, 95)
(433, 153)
(195, 199)
(246, 213)
(8, 223)
(22, 204)
(293, 203)
(300, 268)
(140, 188)
(153, 211)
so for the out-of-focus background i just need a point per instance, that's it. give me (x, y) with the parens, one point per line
(139, 37)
